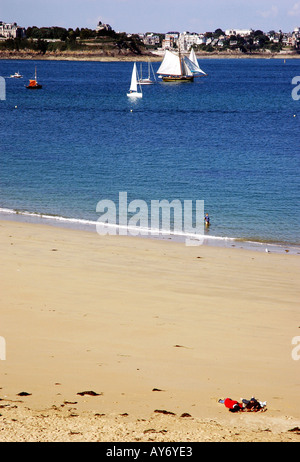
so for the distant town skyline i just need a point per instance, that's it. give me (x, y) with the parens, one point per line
(135, 16)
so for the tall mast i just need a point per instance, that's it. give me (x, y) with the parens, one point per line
(179, 54)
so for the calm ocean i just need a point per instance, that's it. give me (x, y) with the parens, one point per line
(230, 139)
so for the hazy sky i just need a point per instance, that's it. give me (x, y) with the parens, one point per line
(155, 15)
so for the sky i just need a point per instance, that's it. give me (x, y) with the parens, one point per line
(134, 16)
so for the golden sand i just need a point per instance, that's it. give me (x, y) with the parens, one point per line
(146, 325)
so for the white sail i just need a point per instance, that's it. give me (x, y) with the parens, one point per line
(187, 66)
(170, 65)
(133, 90)
(133, 85)
(192, 57)
(195, 67)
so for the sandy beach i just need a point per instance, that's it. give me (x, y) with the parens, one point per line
(112, 338)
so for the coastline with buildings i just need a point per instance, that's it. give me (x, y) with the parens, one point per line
(104, 44)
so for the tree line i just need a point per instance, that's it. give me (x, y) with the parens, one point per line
(60, 33)
(43, 39)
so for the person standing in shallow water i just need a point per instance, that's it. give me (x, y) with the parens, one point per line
(206, 219)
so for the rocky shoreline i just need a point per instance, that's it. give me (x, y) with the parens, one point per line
(127, 56)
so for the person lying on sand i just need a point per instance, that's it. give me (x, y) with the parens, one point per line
(253, 405)
(232, 405)
(248, 405)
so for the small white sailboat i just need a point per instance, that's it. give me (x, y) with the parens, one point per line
(133, 90)
(147, 81)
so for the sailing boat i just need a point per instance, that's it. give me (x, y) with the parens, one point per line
(194, 60)
(178, 68)
(133, 90)
(147, 81)
(33, 84)
(174, 69)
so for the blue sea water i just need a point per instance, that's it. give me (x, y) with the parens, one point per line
(230, 139)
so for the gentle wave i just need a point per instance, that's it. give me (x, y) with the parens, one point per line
(78, 223)
(121, 228)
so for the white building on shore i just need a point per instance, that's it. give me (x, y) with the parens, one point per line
(240, 32)
(295, 39)
(171, 40)
(151, 39)
(103, 27)
(11, 30)
(187, 40)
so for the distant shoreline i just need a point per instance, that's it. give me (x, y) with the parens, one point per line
(83, 56)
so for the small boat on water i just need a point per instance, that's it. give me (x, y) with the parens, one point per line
(133, 90)
(16, 75)
(33, 83)
(147, 80)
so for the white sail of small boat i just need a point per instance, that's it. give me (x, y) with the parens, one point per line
(177, 67)
(148, 80)
(194, 60)
(133, 90)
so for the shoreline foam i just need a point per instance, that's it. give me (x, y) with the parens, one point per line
(90, 225)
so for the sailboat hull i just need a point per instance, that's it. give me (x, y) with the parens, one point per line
(145, 82)
(135, 95)
(183, 78)
(34, 87)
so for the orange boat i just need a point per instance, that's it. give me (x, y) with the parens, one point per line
(33, 84)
